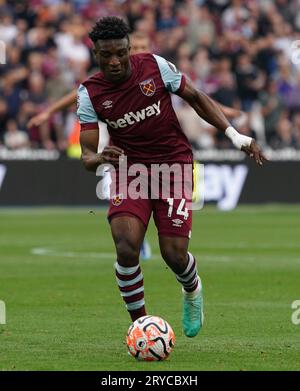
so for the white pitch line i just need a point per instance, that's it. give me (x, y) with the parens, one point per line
(69, 254)
(233, 258)
(44, 251)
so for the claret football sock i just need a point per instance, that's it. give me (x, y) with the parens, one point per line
(189, 278)
(131, 285)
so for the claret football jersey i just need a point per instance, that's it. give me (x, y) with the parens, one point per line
(138, 112)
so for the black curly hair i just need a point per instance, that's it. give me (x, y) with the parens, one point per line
(110, 27)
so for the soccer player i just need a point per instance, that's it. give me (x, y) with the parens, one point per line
(132, 94)
(140, 43)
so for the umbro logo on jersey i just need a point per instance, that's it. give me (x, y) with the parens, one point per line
(107, 104)
(131, 118)
(177, 223)
(148, 87)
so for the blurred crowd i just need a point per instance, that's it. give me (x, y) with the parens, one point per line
(244, 54)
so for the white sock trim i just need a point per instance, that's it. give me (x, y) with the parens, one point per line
(136, 305)
(189, 265)
(196, 291)
(123, 284)
(126, 270)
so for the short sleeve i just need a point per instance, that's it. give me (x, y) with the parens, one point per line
(87, 116)
(173, 79)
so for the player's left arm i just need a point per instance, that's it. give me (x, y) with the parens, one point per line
(89, 135)
(211, 112)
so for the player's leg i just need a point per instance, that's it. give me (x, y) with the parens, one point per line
(145, 251)
(128, 233)
(129, 219)
(174, 222)
(174, 251)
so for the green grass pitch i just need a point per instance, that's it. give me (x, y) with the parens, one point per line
(64, 311)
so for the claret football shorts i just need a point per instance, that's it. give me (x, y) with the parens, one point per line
(167, 197)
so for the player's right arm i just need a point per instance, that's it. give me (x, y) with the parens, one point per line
(89, 135)
(89, 156)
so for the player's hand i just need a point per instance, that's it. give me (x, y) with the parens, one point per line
(39, 119)
(111, 155)
(255, 152)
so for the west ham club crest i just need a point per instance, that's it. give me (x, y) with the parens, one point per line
(117, 199)
(148, 87)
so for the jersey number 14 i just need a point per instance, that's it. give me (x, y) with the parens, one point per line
(181, 210)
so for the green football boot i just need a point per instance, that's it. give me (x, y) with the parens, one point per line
(193, 316)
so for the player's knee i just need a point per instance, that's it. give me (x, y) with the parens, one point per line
(127, 253)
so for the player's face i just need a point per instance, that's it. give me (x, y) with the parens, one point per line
(140, 45)
(113, 58)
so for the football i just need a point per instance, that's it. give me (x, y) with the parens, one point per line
(150, 338)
